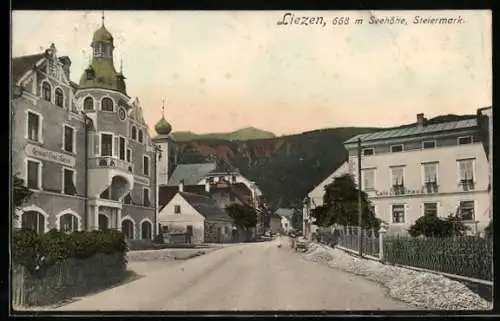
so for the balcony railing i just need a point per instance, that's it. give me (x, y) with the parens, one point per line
(431, 187)
(113, 162)
(398, 189)
(467, 184)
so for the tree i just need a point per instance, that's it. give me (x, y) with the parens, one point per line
(244, 216)
(433, 226)
(340, 205)
(21, 193)
(297, 219)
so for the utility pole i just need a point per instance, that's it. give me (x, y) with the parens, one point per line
(360, 209)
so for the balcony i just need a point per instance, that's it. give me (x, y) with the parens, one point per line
(431, 187)
(467, 184)
(112, 162)
(110, 173)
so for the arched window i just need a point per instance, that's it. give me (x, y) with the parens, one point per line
(107, 104)
(103, 222)
(46, 91)
(59, 97)
(34, 221)
(140, 136)
(134, 132)
(146, 230)
(88, 103)
(68, 223)
(128, 229)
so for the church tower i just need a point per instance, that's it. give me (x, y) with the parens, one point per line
(164, 141)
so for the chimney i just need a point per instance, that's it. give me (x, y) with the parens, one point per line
(420, 120)
(207, 186)
(181, 186)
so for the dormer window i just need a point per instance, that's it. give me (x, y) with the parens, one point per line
(107, 104)
(46, 91)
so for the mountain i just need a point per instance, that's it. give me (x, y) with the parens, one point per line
(286, 168)
(240, 134)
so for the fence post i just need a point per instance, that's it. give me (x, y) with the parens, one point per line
(381, 234)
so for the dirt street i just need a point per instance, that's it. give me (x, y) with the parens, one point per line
(257, 276)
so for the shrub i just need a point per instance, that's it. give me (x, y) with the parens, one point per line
(488, 231)
(35, 251)
(433, 226)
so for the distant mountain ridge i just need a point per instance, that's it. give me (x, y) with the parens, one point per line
(248, 133)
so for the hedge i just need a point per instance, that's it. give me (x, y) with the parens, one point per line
(50, 267)
(464, 256)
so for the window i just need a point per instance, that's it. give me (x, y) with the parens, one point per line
(107, 104)
(430, 209)
(398, 213)
(429, 144)
(177, 209)
(430, 177)
(127, 199)
(68, 139)
(164, 228)
(68, 223)
(145, 162)
(69, 182)
(134, 132)
(466, 173)
(122, 148)
(106, 145)
(128, 229)
(464, 140)
(466, 210)
(368, 151)
(396, 148)
(34, 127)
(34, 221)
(145, 194)
(98, 50)
(59, 97)
(46, 91)
(34, 174)
(129, 155)
(233, 179)
(88, 103)
(368, 176)
(140, 136)
(398, 179)
(146, 230)
(103, 222)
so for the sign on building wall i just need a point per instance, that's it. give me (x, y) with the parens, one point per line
(49, 155)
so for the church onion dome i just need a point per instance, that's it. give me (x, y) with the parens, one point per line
(163, 127)
(102, 35)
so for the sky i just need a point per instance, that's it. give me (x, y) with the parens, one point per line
(219, 71)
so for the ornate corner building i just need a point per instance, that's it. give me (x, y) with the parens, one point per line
(84, 149)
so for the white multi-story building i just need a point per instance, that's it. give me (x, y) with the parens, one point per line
(430, 167)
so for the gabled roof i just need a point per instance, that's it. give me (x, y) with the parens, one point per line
(190, 173)
(206, 206)
(415, 130)
(21, 65)
(166, 193)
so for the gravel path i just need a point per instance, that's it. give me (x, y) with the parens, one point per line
(426, 290)
(256, 276)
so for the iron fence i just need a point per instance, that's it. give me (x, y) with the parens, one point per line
(468, 256)
(348, 237)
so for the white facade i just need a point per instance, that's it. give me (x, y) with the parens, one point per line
(163, 145)
(178, 214)
(315, 199)
(286, 225)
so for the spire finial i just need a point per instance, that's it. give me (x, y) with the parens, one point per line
(163, 108)
(102, 17)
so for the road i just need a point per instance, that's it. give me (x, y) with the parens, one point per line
(258, 276)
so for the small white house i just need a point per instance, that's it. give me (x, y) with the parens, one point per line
(198, 216)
